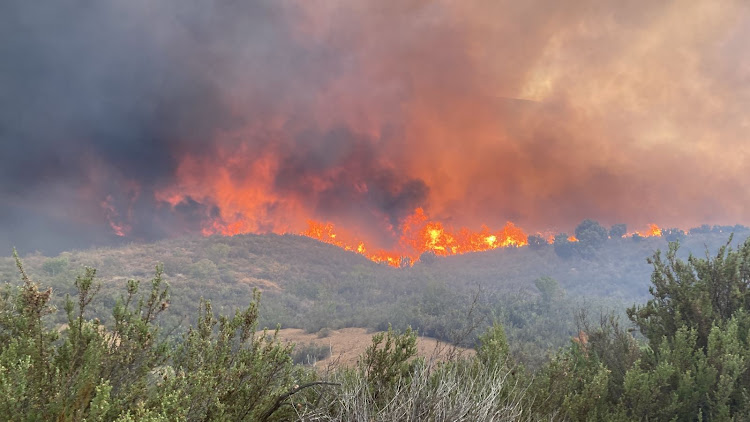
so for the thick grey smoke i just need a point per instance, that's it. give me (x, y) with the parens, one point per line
(157, 117)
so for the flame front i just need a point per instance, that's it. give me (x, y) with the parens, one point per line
(418, 235)
(653, 231)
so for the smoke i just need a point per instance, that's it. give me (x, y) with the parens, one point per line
(154, 119)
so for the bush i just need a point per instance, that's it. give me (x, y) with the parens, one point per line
(696, 365)
(220, 370)
(205, 269)
(55, 266)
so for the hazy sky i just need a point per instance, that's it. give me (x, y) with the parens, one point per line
(159, 118)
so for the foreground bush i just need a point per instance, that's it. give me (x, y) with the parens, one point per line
(220, 370)
(695, 365)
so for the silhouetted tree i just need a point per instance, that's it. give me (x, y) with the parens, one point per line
(537, 242)
(617, 231)
(673, 234)
(591, 233)
(563, 247)
(427, 257)
(548, 287)
(703, 229)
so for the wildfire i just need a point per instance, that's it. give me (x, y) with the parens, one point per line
(415, 235)
(419, 234)
(653, 231)
(325, 233)
(113, 218)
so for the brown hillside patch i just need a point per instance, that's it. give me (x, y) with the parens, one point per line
(347, 344)
(261, 284)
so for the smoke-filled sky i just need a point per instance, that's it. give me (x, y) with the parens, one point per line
(153, 119)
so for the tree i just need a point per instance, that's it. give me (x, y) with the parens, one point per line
(55, 266)
(564, 248)
(673, 234)
(591, 233)
(536, 241)
(548, 287)
(617, 231)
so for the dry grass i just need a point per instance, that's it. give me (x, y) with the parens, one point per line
(347, 344)
(460, 391)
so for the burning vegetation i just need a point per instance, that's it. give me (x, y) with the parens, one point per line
(419, 234)
(257, 117)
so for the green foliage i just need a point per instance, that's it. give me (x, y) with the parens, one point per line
(205, 269)
(55, 266)
(696, 326)
(324, 286)
(548, 287)
(695, 293)
(493, 347)
(388, 360)
(222, 369)
(218, 251)
(584, 381)
(695, 365)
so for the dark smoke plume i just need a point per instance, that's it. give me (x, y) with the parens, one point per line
(156, 118)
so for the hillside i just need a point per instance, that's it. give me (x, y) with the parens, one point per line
(312, 286)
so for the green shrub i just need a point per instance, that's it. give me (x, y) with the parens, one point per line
(222, 369)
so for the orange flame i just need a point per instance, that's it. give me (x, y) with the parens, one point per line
(420, 235)
(325, 233)
(653, 231)
(119, 227)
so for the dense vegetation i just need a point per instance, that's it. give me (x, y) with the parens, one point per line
(533, 291)
(689, 360)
